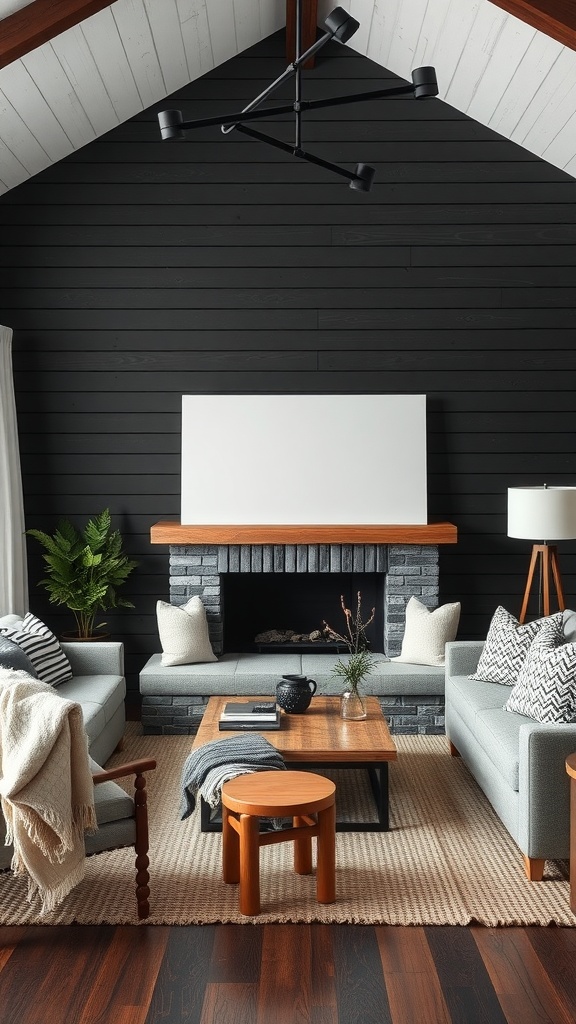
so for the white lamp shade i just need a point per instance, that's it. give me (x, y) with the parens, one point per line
(542, 513)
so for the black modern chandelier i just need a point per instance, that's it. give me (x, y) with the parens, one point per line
(339, 25)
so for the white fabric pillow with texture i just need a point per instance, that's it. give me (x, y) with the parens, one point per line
(427, 632)
(184, 633)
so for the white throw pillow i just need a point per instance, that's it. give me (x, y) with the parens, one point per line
(546, 686)
(427, 632)
(184, 633)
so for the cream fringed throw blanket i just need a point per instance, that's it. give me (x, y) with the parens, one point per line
(46, 787)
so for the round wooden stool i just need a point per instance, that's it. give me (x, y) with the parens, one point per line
(278, 794)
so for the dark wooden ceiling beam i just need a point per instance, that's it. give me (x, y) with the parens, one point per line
(309, 26)
(40, 21)
(556, 18)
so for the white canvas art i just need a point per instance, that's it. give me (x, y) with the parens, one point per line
(303, 459)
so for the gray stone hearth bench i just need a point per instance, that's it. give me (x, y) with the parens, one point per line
(174, 698)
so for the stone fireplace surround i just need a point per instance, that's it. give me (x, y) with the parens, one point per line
(407, 570)
(407, 557)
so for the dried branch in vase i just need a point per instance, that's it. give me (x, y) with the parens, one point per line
(360, 661)
(356, 640)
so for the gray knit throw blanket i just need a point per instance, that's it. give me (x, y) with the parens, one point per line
(207, 768)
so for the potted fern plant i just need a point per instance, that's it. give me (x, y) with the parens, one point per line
(84, 570)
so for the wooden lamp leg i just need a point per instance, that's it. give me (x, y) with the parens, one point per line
(557, 578)
(548, 555)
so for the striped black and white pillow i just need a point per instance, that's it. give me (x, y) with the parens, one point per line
(546, 685)
(42, 648)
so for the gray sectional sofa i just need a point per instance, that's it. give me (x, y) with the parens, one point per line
(518, 763)
(174, 698)
(99, 686)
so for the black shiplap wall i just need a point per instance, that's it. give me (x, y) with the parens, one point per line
(135, 271)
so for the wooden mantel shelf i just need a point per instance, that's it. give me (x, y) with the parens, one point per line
(176, 533)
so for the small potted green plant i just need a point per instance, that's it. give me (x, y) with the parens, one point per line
(84, 570)
(360, 660)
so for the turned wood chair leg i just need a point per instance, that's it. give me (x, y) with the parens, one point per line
(141, 847)
(534, 867)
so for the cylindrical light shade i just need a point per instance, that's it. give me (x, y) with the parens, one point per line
(542, 513)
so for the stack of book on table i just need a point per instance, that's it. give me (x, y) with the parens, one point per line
(259, 716)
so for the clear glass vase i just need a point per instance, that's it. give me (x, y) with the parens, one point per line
(352, 707)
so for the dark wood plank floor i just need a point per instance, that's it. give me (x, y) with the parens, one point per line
(287, 974)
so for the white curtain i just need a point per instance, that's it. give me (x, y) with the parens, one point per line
(13, 572)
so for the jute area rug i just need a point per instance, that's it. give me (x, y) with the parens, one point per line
(447, 860)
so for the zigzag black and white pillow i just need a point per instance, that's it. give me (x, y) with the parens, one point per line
(546, 686)
(42, 648)
(507, 646)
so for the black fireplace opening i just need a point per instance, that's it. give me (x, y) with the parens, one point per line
(256, 603)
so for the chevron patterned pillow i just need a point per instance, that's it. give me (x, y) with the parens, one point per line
(507, 646)
(546, 687)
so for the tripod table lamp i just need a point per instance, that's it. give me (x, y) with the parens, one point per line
(538, 512)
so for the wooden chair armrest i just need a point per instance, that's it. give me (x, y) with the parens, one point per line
(121, 770)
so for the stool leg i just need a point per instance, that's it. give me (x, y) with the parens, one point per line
(326, 868)
(302, 850)
(230, 849)
(249, 864)
(573, 845)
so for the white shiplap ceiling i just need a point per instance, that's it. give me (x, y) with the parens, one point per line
(91, 78)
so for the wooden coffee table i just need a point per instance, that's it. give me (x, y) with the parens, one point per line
(319, 738)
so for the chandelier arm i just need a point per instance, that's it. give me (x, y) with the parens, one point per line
(293, 68)
(288, 108)
(313, 50)
(325, 163)
(338, 101)
(236, 118)
(262, 137)
(300, 153)
(290, 70)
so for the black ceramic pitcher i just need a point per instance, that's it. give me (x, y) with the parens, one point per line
(294, 693)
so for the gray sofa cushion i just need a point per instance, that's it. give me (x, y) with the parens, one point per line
(468, 697)
(99, 696)
(498, 734)
(479, 705)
